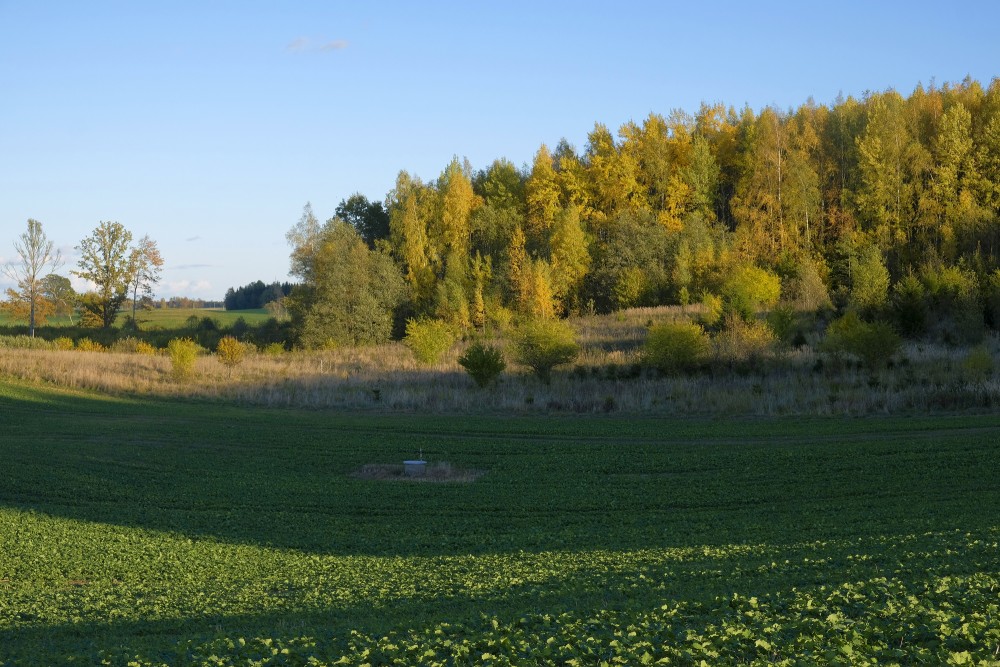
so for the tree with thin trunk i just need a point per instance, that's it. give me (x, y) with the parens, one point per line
(145, 262)
(36, 252)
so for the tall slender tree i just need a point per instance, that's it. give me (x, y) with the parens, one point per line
(37, 255)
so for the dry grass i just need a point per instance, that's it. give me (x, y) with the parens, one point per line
(607, 377)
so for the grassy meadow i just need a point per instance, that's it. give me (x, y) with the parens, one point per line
(172, 531)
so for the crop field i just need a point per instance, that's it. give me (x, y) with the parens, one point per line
(181, 532)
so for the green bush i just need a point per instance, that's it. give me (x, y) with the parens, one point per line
(676, 346)
(183, 352)
(978, 364)
(909, 305)
(781, 319)
(428, 339)
(483, 362)
(25, 343)
(711, 309)
(541, 345)
(274, 349)
(750, 288)
(874, 344)
(63, 343)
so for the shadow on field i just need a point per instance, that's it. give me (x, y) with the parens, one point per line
(282, 478)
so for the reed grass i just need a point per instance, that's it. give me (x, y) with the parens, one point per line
(608, 376)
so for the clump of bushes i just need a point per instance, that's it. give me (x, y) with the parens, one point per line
(541, 345)
(483, 362)
(182, 352)
(872, 343)
(87, 345)
(676, 346)
(429, 339)
(63, 343)
(744, 341)
(144, 348)
(977, 365)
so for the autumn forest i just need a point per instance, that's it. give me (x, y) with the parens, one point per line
(862, 202)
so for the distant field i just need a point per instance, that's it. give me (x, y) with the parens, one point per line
(168, 318)
(175, 318)
(154, 532)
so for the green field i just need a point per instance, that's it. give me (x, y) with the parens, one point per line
(156, 532)
(165, 318)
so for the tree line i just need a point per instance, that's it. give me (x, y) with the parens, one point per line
(119, 270)
(666, 211)
(255, 295)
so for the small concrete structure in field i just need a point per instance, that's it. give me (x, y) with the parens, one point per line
(415, 468)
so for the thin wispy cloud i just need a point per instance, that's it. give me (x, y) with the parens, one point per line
(185, 267)
(335, 45)
(189, 287)
(298, 44)
(193, 238)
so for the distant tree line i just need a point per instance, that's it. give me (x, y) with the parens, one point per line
(255, 295)
(888, 204)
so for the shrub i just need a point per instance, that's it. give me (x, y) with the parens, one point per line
(63, 343)
(978, 364)
(909, 305)
(274, 349)
(25, 343)
(874, 344)
(676, 346)
(87, 345)
(711, 309)
(743, 341)
(142, 347)
(483, 362)
(749, 289)
(782, 322)
(230, 352)
(428, 339)
(183, 352)
(541, 345)
(126, 345)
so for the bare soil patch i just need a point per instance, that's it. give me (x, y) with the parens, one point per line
(434, 472)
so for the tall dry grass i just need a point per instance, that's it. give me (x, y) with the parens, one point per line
(607, 377)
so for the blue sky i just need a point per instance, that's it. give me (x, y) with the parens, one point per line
(208, 125)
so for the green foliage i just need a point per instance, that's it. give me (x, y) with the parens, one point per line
(749, 289)
(874, 344)
(24, 343)
(711, 309)
(869, 280)
(207, 553)
(676, 346)
(63, 343)
(483, 362)
(428, 339)
(781, 319)
(978, 364)
(541, 345)
(909, 305)
(183, 352)
(105, 260)
(349, 292)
